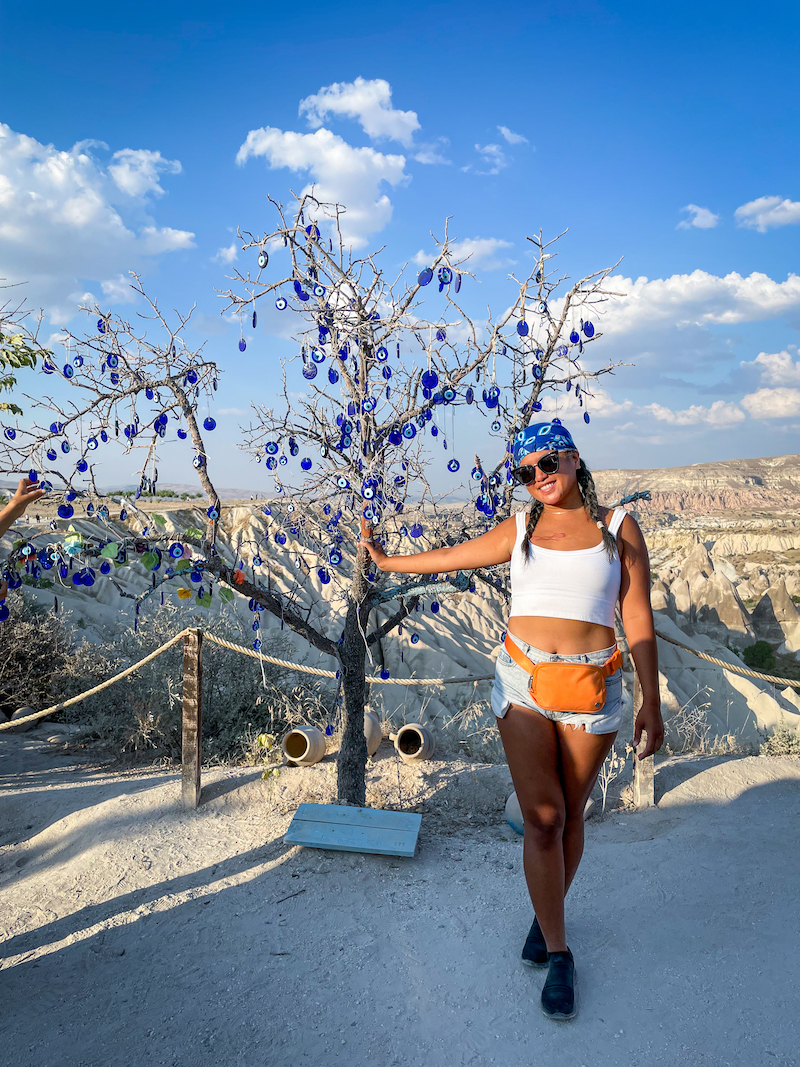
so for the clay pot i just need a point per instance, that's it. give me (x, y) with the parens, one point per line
(414, 743)
(372, 731)
(304, 745)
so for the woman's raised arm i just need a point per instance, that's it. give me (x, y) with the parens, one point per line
(484, 551)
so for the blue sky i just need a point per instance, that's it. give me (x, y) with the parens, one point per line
(666, 134)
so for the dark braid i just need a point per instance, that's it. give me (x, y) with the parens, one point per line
(589, 494)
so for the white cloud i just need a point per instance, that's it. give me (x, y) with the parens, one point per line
(511, 137)
(369, 103)
(719, 415)
(493, 156)
(227, 255)
(602, 406)
(60, 226)
(482, 251)
(767, 213)
(777, 368)
(118, 290)
(779, 403)
(700, 299)
(136, 171)
(430, 154)
(340, 173)
(699, 217)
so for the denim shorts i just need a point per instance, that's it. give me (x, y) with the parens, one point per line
(511, 687)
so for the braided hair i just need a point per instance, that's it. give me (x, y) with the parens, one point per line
(588, 492)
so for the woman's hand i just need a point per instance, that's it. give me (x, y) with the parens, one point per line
(27, 492)
(379, 557)
(649, 719)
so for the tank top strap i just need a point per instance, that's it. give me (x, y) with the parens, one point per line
(522, 522)
(617, 518)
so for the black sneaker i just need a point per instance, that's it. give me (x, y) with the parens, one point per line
(558, 994)
(534, 954)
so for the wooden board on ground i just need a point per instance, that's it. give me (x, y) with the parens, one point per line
(338, 826)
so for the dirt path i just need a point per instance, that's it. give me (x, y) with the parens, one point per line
(135, 934)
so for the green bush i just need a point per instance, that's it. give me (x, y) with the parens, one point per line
(760, 656)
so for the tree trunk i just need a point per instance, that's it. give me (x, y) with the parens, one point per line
(353, 753)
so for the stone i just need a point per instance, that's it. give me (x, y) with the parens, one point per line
(20, 713)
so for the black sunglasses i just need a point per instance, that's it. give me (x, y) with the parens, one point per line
(526, 474)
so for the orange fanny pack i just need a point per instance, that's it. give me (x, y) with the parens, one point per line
(579, 687)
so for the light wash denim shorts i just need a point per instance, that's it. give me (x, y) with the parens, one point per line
(511, 687)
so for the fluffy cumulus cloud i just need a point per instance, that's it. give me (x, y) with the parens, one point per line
(339, 173)
(485, 252)
(67, 219)
(137, 172)
(781, 403)
(700, 299)
(767, 213)
(511, 137)
(720, 414)
(777, 368)
(227, 255)
(369, 103)
(699, 218)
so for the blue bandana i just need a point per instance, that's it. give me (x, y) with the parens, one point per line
(542, 436)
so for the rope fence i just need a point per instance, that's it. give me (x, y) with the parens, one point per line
(319, 672)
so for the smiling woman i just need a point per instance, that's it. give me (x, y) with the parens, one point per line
(557, 692)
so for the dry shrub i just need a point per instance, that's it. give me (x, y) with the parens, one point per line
(44, 662)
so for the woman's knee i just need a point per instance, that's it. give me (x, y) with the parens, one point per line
(544, 823)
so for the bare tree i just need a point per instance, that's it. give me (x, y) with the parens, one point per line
(392, 378)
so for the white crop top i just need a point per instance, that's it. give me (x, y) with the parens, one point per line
(580, 584)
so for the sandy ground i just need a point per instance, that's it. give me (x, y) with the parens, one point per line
(135, 934)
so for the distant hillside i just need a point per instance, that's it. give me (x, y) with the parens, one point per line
(770, 483)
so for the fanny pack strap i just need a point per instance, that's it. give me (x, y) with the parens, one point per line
(608, 668)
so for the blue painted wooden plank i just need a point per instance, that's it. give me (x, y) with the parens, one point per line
(371, 817)
(346, 838)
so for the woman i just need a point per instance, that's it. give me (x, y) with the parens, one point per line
(571, 560)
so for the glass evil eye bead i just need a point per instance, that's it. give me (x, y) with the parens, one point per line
(496, 426)
(342, 482)
(448, 395)
(309, 371)
(182, 434)
(416, 530)
(65, 511)
(82, 466)
(306, 464)
(335, 557)
(263, 259)
(112, 360)
(453, 466)
(323, 576)
(586, 417)
(212, 513)
(65, 447)
(382, 354)
(199, 461)
(369, 404)
(272, 463)
(176, 550)
(283, 460)
(280, 538)
(469, 396)
(209, 424)
(425, 276)
(91, 444)
(319, 290)
(10, 433)
(101, 326)
(242, 345)
(333, 376)
(255, 319)
(574, 337)
(69, 370)
(441, 334)
(562, 351)
(317, 356)
(414, 639)
(523, 328)
(588, 329)
(271, 448)
(52, 455)
(409, 431)
(430, 379)
(281, 303)
(445, 275)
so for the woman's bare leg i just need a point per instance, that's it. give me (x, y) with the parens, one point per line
(582, 756)
(532, 749)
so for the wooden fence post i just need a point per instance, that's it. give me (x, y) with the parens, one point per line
(643, 770)
(192, 738)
